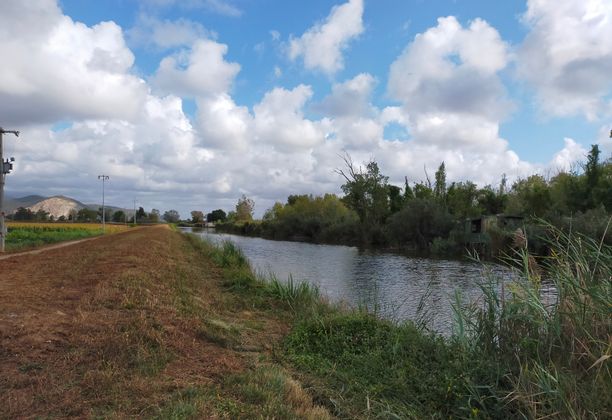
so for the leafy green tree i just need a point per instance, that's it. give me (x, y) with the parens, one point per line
(408, 193)
(396, 200)
(119, 216)
(491, 202)
(244, 209)
(154, 216)
(566, 194)
(216, 216)
(171, 216)
(197, 217)
(462, 200)
(440, 184)
(603, 191)
(422, 191)
(141, 215)
(530, 197)
(592, 169)
(366, 192)
(87, 215)
(321, 218)
(23, 213)
(419, 223)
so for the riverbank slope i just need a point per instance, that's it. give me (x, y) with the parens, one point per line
(157, 324)
(136, 325)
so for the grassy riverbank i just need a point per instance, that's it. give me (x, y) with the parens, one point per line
(161, 325)
(511, 355)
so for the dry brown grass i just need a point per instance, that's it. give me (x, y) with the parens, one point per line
(129, 325)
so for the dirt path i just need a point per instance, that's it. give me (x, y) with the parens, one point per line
(54, 246)
(46, 248)
(118, 326)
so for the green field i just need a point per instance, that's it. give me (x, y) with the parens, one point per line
(31, 235)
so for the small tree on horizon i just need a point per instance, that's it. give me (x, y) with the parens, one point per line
(216, 216)
(171, 216)
(197, 217)
(244, 209)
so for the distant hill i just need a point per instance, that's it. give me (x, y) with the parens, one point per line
(56, 206)
(12, 204)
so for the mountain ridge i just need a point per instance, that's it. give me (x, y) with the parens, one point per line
(56, 206)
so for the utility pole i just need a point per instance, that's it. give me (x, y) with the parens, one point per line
(7, 167)
(104, 178)
(134, 212)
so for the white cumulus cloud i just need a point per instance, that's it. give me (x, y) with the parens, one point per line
(150, 31)
(322, 45)
(200, 71)
(280, 122)
(567, 56)
(54, 68)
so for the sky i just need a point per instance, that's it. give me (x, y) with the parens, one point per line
(188, 104)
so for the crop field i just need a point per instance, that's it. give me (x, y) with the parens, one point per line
(31, 235)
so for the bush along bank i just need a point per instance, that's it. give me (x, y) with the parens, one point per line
(437, 217)
(517, 353)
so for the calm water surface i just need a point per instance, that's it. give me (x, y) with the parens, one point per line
(392, 284)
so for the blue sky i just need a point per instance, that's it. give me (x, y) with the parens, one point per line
(189, 104)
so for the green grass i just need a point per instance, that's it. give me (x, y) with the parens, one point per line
(362, 366)
(31, 237)
(299, 296)
(512, 354)
(239, 277)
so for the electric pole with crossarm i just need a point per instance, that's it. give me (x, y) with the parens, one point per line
(7, 167)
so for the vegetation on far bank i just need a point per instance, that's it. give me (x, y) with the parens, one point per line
(431, 216)
(31, 235)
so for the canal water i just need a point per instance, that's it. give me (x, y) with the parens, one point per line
(393, 285)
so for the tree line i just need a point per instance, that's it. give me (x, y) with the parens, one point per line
(431, 215)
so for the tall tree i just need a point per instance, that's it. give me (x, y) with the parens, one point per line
(461, 200)
(197, 217)
(216, 216)
(396, 201)
(171, 216)
(440, 185)
(592, 174)
(366, 192)
(244, 209)
(154, 216)
(141, 215)
(118, 216)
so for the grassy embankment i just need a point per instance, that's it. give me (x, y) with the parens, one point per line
(31, 235)
(141, 325)
(190, 331)
(511, 355)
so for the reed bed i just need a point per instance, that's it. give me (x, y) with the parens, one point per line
(543, 359)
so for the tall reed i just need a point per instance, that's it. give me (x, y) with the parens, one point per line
(541, 355)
